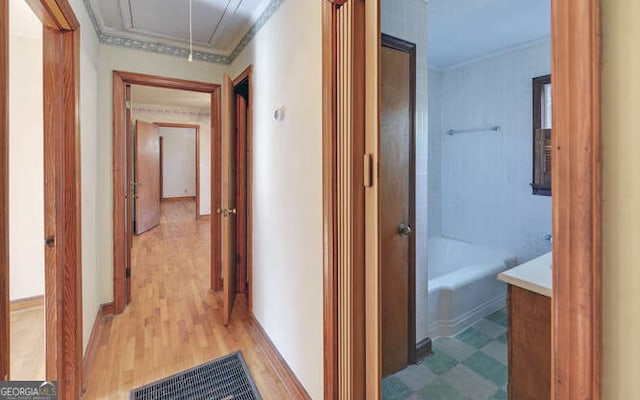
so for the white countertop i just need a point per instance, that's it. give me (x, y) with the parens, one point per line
(535, 275)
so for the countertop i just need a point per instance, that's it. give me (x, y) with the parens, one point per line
(535, 275)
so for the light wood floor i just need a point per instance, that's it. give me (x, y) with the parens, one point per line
(27, 344)
(174, 321)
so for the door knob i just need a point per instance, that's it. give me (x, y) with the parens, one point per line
(225, 212)
(405, 230)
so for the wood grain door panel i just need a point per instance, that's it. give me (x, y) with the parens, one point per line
(241, 192)
(396, 208)
(228, 225)
(147, 173)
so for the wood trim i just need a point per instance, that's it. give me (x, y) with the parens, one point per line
(105, 311)
(55, 14)
(108, 309)
(190, 126)
(92, 348)
(247, 76)
(28, 303)
(63, 280)
(216, 188)
(134, 78)
(122, 190)
(288, 379)
(161, 168)
(5, 314)
(330, 260)
(176, 199)
(373, 307)
(577, 200)
(410, 48)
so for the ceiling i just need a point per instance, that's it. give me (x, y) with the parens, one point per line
(22, 21)
(170, 97)
(218, 25)
(462, 30)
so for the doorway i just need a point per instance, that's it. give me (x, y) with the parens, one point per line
(397, 199)
(236, 277)
(175, 153)
(61, 239)
(122, 164)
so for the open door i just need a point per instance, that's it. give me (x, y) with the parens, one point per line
(147, 176)
(228, 210)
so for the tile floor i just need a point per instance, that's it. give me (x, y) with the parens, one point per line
(469, 366)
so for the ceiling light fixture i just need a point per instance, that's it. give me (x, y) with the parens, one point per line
(190, 59)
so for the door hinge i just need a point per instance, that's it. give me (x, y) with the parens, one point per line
(127, 272)
(368, 170)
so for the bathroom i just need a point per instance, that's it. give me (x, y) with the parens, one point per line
(481, 119)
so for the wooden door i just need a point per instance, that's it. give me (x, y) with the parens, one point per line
(397, 204)
(228, 209)
(128, 190)
(147, 174)
(241, 192)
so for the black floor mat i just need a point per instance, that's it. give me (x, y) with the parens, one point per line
(226, 378)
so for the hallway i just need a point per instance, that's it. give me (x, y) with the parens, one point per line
(174, 321)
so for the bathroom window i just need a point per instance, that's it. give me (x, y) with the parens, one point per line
(542, 136)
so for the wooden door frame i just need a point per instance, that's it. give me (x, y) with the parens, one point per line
(188, 126)
(63, 277)
(577, 199)
(409, 48)
(247, 76)
(122, 190)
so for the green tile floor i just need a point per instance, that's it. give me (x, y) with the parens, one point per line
(469, 366)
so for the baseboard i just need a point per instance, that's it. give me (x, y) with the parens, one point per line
(462, 322)
(106, 310)
(289, 380)
(25, 304)
(183, 198)
(423, 350)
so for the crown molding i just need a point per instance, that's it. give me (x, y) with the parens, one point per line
(136, 42)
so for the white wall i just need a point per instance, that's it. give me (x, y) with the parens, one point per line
(486, 196)
(26, 167)
(182, 115)
(434, 198)
(90, 150)
(179, 162)
(287, 188)
(117, 58)
(407, 20)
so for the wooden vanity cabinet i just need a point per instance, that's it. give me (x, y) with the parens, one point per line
(529, 345)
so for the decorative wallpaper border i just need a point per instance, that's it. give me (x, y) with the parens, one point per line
(168, 110)
(183, 52)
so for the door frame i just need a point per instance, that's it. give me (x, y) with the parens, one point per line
(247, 76)
(577, 198)
(189, 126)
(122, 190)
(63, 275)
(409, 48)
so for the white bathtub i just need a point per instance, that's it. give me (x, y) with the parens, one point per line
(463, 287)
